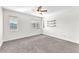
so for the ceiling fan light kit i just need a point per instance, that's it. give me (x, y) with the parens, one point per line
(40, 10)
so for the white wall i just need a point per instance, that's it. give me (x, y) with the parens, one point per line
(67, 25)
(24, 25)
(1, 26)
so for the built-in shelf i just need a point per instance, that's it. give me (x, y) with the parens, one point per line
(51, 23)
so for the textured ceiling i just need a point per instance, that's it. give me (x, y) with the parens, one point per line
(29, 9)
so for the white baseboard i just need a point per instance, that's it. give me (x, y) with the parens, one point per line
(62, 38)
(20, 37)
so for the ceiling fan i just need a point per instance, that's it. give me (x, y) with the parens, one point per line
(40, 10)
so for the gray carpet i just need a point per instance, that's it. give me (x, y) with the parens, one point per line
(39, 44)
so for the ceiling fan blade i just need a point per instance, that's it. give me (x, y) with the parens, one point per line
(39, 8)
(43, 10)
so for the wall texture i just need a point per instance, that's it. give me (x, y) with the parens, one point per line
(24, 25)
(1, 26)
(67, 25)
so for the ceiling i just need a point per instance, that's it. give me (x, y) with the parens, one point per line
(29, 9)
